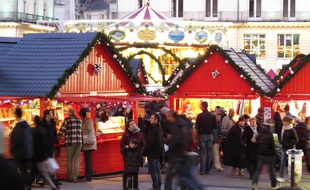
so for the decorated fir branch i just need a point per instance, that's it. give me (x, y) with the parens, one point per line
(289, 70)
(203, 59)
(153, 46)
(162, 70)
(99, 38)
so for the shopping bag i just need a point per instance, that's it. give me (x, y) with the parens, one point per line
(50, 165)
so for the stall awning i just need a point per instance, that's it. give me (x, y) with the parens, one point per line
(108, 98)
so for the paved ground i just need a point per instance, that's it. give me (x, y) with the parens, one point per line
(213, 181)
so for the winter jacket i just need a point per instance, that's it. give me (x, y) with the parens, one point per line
(89, 136)
(154, 142)
(41, 143)
(205, 123)
(21, 142)
(128, 135)
(179, 141)
(265, 143)
(303, 136)
(288, 138)
(52, 134)
(133, 159)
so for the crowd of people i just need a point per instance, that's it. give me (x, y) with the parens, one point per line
(248, 143)
(33, 149)
(171, 143)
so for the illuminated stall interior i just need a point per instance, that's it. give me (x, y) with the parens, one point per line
(292, 88)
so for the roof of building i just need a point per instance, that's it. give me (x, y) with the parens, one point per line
(96, 5)
(239, 61)
(6, 44)
(37, 61)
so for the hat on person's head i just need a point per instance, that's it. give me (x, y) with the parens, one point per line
(260, 110)
(164, 110)
(222, 111)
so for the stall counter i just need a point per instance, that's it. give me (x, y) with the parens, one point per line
(106, 159)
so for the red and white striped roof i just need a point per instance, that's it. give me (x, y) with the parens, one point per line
(145, 15)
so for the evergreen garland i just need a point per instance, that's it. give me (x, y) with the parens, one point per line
(162, 70)
(285, 73)
(103, 39)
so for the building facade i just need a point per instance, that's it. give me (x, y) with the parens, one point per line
(275, 31)
(20, 17)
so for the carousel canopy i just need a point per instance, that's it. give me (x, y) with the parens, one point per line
(145, 16)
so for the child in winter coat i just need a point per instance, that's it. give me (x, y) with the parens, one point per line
(133, 162)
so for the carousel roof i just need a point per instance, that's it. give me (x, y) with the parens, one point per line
(145, 16)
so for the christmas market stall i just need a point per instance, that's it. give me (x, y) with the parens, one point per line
(292, 88)
(61, 70)
(223, 77)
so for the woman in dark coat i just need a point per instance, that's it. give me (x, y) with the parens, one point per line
(250, 134)
(278, 123)
(236, 149)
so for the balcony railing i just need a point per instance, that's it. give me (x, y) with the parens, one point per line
(22, 17)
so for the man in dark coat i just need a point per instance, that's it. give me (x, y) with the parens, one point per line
(250, 133)
(21, 147)
(205, 124)
(153, 150)
(49, 123)
(266, 155)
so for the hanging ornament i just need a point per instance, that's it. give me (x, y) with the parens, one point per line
(114, 56)
(211, 52)
(120, 62)
(206, 61)
(76, 72)
(281, 77)
(215, 73)
(58, 94)
(278, 90)
(178, 86)
(97, 68)
(226, 61)
(252, 89)
(86, 59)
(137, 85)
(241, 76)
(292, 72)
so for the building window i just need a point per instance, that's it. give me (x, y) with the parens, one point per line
(289, 8)
(59, 2)
(140, 3)
(288, 45)
(102, 16)
(211, 8)
(177, 8)
(88, 17)
(255, 44)
(255, 8)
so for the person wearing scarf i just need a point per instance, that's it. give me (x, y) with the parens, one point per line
(288, 140)
(250, 133)
(132, 131)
